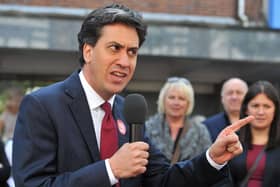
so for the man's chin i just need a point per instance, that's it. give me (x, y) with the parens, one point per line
(234, 111)
(118, 89)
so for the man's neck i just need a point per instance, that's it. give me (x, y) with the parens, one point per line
(233, 117)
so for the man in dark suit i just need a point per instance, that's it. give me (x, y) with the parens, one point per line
(232, 94)
(59, 128)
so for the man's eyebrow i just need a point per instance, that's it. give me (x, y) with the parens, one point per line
(116, 43)
(122, 46)
(134, 48)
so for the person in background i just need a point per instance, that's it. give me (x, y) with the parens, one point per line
(172, 130)
(258, 165)
(7, 124)
(9, 116)
(232, 94)
(9, 152)
(5, 168)
(68, 135)
(9, 146)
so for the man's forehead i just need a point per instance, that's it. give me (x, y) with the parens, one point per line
(121, 34)
(234, 85)
(230, 90)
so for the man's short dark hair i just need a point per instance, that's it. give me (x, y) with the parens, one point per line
(115, 13)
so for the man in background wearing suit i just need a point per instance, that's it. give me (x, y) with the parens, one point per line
(58, 135)
(232, 94)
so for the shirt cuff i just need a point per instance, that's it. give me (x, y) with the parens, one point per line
(113, 179)
(213, 163)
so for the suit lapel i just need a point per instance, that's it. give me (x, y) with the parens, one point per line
(84, 122)
(81, 113)
(123, 128)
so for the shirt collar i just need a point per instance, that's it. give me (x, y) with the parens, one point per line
(94, 100)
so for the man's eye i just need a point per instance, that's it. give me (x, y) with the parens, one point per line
(114, 47)
(133, 52)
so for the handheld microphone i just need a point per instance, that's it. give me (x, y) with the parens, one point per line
(135, 111)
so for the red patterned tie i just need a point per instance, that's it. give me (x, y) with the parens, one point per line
(109, 137)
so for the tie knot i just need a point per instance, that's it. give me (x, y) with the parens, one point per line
(106, 107)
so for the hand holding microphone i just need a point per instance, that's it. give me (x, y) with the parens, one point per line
(131, 159)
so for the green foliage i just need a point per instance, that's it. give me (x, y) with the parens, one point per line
(27, 86)
(2, 102)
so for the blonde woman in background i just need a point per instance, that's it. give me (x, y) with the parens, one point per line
(172, 128)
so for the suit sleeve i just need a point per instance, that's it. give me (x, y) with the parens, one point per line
(35, 150)
(196, 172)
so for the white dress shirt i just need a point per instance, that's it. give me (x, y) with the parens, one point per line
(97, 114)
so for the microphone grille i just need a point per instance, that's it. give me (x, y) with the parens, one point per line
(135, 109)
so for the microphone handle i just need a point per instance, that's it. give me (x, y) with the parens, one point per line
(136, 132)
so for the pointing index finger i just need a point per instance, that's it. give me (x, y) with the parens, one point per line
(237, 125)
(240, 123)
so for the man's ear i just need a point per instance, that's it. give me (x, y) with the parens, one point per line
(87, 51)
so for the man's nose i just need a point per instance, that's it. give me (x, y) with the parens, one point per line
(124, 60)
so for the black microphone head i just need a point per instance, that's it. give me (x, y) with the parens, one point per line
(135, 109)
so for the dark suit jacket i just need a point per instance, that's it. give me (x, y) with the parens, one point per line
(215, 124)
(55, 146)
(271, 171)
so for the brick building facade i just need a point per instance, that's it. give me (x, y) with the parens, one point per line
(221, 8)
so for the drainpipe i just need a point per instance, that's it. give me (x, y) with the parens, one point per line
(241, 13)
